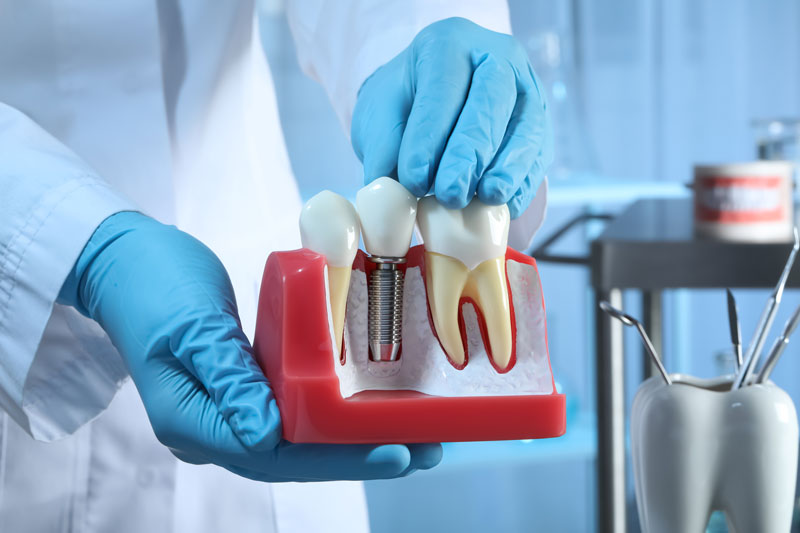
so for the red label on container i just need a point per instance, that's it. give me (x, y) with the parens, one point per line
(740, 199)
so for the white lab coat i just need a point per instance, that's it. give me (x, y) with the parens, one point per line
(166, 107)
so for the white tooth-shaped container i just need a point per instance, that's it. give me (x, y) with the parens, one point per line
(698, 447)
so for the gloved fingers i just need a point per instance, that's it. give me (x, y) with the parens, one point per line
(323, 462)
(442, 78)
(381, 158)
(187, 421)
(521, 199)
(377, 129)
(188, 457)
(209, 341)
(522, 145)
(331, 462)
(184, 416)
(425, 456)
(478, 133)
(530, 185)
(525, 194)
(256, 475)
(216, 351)
(270, 477)
(162, 294)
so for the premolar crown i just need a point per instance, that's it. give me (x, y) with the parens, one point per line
(329, 225)
(387, 211)
(465, 257)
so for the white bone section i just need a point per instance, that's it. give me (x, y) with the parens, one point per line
(424, 367)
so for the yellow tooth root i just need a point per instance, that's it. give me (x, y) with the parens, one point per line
(447, 281)
(488, 287)
(445, 278)
(338, 287)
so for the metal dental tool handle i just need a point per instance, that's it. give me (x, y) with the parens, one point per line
(385, 314)
(628, 320)
(736, 331)
(765, 322)
(778, 348)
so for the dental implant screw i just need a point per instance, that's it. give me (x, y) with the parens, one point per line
(385, 314)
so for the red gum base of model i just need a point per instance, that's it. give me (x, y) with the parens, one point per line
(294, 348)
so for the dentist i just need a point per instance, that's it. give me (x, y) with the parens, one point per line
(143, 182)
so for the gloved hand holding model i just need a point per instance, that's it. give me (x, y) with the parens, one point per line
(171, 110)
(458, 112)
(167, 304)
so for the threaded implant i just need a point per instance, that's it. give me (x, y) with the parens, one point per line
(385, 318)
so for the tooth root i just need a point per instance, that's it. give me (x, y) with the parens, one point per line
(488, 287)
(329, 225)
(445, 279)
(448, 280)
(474, 241)
(338, 286)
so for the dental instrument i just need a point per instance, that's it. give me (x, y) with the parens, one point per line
(387, 211)
(736, 330)
(765, 322)
(628, 320)
(779, 347)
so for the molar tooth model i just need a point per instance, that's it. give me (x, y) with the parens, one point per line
(467, 310)
(698, 446)
(465, 258)
(701, 445)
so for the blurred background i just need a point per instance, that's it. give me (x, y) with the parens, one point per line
(640, 91)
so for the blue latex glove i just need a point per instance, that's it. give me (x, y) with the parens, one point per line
(457, 112)
(167, 304)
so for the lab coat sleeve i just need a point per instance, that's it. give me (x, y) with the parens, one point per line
(341, 42)
(58, 370)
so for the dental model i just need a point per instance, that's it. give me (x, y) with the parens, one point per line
(698, 446)
(387, 211)
(465, 253)
(329, 225)
(488, 359)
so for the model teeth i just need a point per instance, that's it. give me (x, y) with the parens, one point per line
(465, 258)
(329, 225)
(386, 210)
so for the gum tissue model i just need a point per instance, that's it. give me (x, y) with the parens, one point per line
(440, 342)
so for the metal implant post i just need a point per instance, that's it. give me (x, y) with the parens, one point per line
(387, 212)
(385, 318)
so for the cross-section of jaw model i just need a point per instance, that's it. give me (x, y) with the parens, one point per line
(465, 258)
(397, 343)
